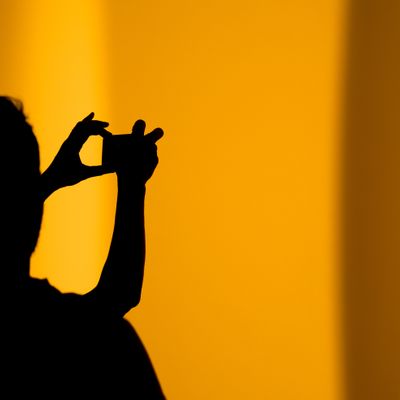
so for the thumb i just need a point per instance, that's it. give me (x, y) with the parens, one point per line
(89, 117)
(94, 170)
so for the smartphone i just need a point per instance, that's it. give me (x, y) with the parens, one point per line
(115, 147)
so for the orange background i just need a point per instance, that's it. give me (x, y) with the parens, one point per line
(247, 293)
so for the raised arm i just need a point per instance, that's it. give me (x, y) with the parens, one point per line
(122, 275)
(120, 283)
(67, 169)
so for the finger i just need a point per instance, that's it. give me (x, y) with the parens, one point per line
(96, 131)
(104, 133)
(139, 127)
(96, 123)
(155, 135)
(89, 117)
(92, 127)
(84, 128)
(79, 137)
(95, 170)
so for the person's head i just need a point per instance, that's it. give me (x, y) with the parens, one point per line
(21, 208)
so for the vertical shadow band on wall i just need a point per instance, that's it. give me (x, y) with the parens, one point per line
(371, 202)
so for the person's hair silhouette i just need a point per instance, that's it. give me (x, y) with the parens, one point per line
(69, 343)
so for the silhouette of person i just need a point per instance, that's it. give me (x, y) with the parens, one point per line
(55, 343)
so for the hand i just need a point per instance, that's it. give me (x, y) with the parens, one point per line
(142, 159)
(67, 168)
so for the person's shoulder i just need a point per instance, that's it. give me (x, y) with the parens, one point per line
(49, 297)
(42, 290)
(42, 284)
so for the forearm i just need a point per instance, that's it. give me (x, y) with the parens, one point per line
(122, 275)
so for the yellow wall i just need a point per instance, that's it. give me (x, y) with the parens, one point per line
(52, 59)
(241, 292)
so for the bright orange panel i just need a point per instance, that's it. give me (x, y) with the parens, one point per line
(241, 292)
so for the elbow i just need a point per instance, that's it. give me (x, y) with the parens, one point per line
(128, 303)
(118, 302)
(134, 301)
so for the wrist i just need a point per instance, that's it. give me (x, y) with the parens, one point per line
(45, 186)
(131, 182)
